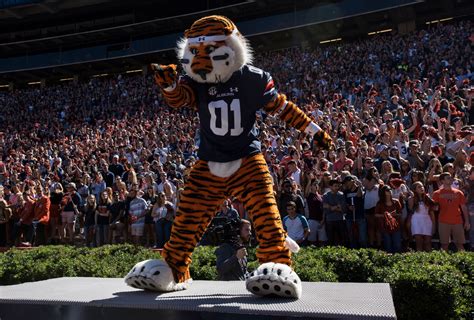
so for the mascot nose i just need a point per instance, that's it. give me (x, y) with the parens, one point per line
(203, 73)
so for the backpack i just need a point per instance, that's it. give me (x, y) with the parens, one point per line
(390, 223)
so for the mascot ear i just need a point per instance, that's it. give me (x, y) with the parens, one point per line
(228, 30)
(186, 33)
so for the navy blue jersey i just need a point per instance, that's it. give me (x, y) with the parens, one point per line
(227, 113)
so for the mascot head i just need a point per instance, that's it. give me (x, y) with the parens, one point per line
(213, 49)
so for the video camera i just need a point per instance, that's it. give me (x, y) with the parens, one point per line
(222, 230)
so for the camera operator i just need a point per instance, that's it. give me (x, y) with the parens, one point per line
(231, 256)
(226, 210)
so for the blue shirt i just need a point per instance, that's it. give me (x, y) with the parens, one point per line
(295, 227)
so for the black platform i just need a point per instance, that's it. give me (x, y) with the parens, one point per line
(99, 298)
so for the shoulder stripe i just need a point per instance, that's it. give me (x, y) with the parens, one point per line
(270, 85)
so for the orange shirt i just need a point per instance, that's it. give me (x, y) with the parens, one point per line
(41, 211)
(27, 212)
(449, 205)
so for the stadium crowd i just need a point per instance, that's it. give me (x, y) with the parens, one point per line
(104, 161)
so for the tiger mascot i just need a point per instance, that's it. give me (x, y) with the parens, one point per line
(227, 91)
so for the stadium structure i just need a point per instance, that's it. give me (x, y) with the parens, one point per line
(52, 41)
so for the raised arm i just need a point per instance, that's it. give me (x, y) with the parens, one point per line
(296, 118)
(175, 90)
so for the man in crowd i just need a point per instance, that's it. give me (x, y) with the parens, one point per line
(452, 212)
(41, 215)
(355, 219)
(288, 194)
(231, 256)
(335, 209)
(137, 212)
(296, 224)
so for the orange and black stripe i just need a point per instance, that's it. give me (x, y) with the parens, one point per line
(291, 114)
(200, 200)
(210, 26)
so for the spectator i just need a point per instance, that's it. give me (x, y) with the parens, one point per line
(470, 206)
(226, 210)
(452, 211)
(117, 232)
(342, 160)
(231, 257)
(5, 214)
(137, 212)
(392, 240)
(102, 219)
(24, 227)
(317, 235)
(56, 197)
(89, 221)
(70, 203)
(294, 173)
(335, 209)
(355, 221)
(384, 156)
(99, 184)
(296, 224)
(371, 198)
(163, 215)
(41, 215)
(288, 193)
(151, 198)
(414, 156)
(422, 219)
(115, 167)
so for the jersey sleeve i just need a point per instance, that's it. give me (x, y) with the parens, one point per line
(276, 104)
(270, 93)
(182, 95)
(304, 221)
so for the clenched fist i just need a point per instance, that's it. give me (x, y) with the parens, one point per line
(165, 75)
(322, 140)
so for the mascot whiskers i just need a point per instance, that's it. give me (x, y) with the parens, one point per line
(227, 91)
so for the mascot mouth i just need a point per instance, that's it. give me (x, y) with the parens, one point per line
(202, 73)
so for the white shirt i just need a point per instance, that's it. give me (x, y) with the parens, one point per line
(371, 198)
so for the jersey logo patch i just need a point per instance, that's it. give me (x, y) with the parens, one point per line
(232, 90)
(212, 91)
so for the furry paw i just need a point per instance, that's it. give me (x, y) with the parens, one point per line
(165, 75)
(154, 275)
(274, 279)
(322, 140)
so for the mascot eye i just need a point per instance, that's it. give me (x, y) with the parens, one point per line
(210, 49)
(193, 50)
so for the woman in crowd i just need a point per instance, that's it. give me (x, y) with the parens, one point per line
(102, 218)
(371, 198)
(163, 215)
(387, 205)
(89, 221)
(422, 219)
(151, 198)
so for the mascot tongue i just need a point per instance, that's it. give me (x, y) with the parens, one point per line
(202, 74)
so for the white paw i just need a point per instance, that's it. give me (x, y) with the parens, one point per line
(154, 275)
(274, 279)
(291, 245)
